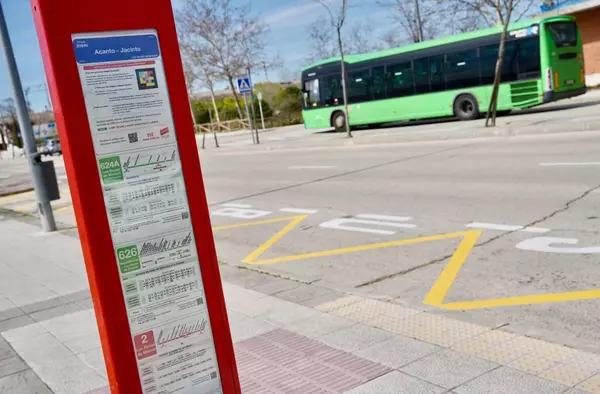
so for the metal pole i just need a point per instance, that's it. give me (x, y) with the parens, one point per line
(262, 116)
(212, 128)
(249, 118)
(33, 156)
(252, 102)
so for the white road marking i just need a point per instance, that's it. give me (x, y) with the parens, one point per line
(545, 244)
(492, 226)
(298, 210)
(569, 164)
(385, 217)
(537, 230)
(241, 213)
(310, 167)
(237, 205)
(346, 224)
(508, 227)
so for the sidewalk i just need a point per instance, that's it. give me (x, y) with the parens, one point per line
(290, 337)
(579, 114)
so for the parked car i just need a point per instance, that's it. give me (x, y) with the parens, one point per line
(52, 147)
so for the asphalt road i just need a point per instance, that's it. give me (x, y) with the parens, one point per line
(498, 231)
(520, 217)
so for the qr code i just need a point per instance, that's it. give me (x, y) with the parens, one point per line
(213, 375)
(200, 301)
(185, 215)
(133, 137)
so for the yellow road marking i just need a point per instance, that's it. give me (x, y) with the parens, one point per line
(264, 247)
(524, 300)
(62, 209)
(15, 198)
(440, 288)
(361, 248)
(247, 224)
(25, 207)
(444, 282)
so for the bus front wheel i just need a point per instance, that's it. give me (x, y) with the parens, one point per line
(466, 107)
(338, 121)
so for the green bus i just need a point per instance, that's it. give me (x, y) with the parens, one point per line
(452, 76)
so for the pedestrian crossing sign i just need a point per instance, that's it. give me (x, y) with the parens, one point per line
(244, 85)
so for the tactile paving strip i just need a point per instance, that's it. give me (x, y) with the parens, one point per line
(281, 361)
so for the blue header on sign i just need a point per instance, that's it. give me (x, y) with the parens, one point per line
(114, 49)
(550, 5)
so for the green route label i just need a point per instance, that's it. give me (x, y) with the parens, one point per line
(110, 169)
(129, 259)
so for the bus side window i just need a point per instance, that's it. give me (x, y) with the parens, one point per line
(488, 56)
(529, 58)
(400, 80)
(462, 70)
(422, 76)
(436, 68)
(510, 69)
(358, 86)
(378, 77)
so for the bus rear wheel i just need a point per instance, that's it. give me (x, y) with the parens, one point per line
(466, 107)
(338, 121)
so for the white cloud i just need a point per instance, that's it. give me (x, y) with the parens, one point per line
(300, 13)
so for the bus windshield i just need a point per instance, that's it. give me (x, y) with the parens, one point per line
(564, 34)
(311, 93)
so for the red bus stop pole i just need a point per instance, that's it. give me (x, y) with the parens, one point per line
(121, 107)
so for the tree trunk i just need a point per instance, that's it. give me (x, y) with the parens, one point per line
(490, 120)
(344, 84)
(214, 102)
(418, 21)
(235, 96)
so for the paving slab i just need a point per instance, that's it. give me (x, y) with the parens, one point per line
(506, 380)
(398, 351)
(449, 368)
(11, 365)
(23, 382)
(320, 325)
(356, 337)
(397, 383)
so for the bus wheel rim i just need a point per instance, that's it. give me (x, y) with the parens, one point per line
(467, 107)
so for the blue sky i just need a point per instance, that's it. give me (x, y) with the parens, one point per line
(288, 20)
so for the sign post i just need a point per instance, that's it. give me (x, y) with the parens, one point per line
(244, 87)
(262, 117)
(120, 99)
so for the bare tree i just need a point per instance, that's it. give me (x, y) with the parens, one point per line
(500, 12)
(225, 31)
(198, 71)
(337, 21)
(420, 19)
(321, 36)
(358, 40)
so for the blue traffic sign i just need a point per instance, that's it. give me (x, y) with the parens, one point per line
(244, 85)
